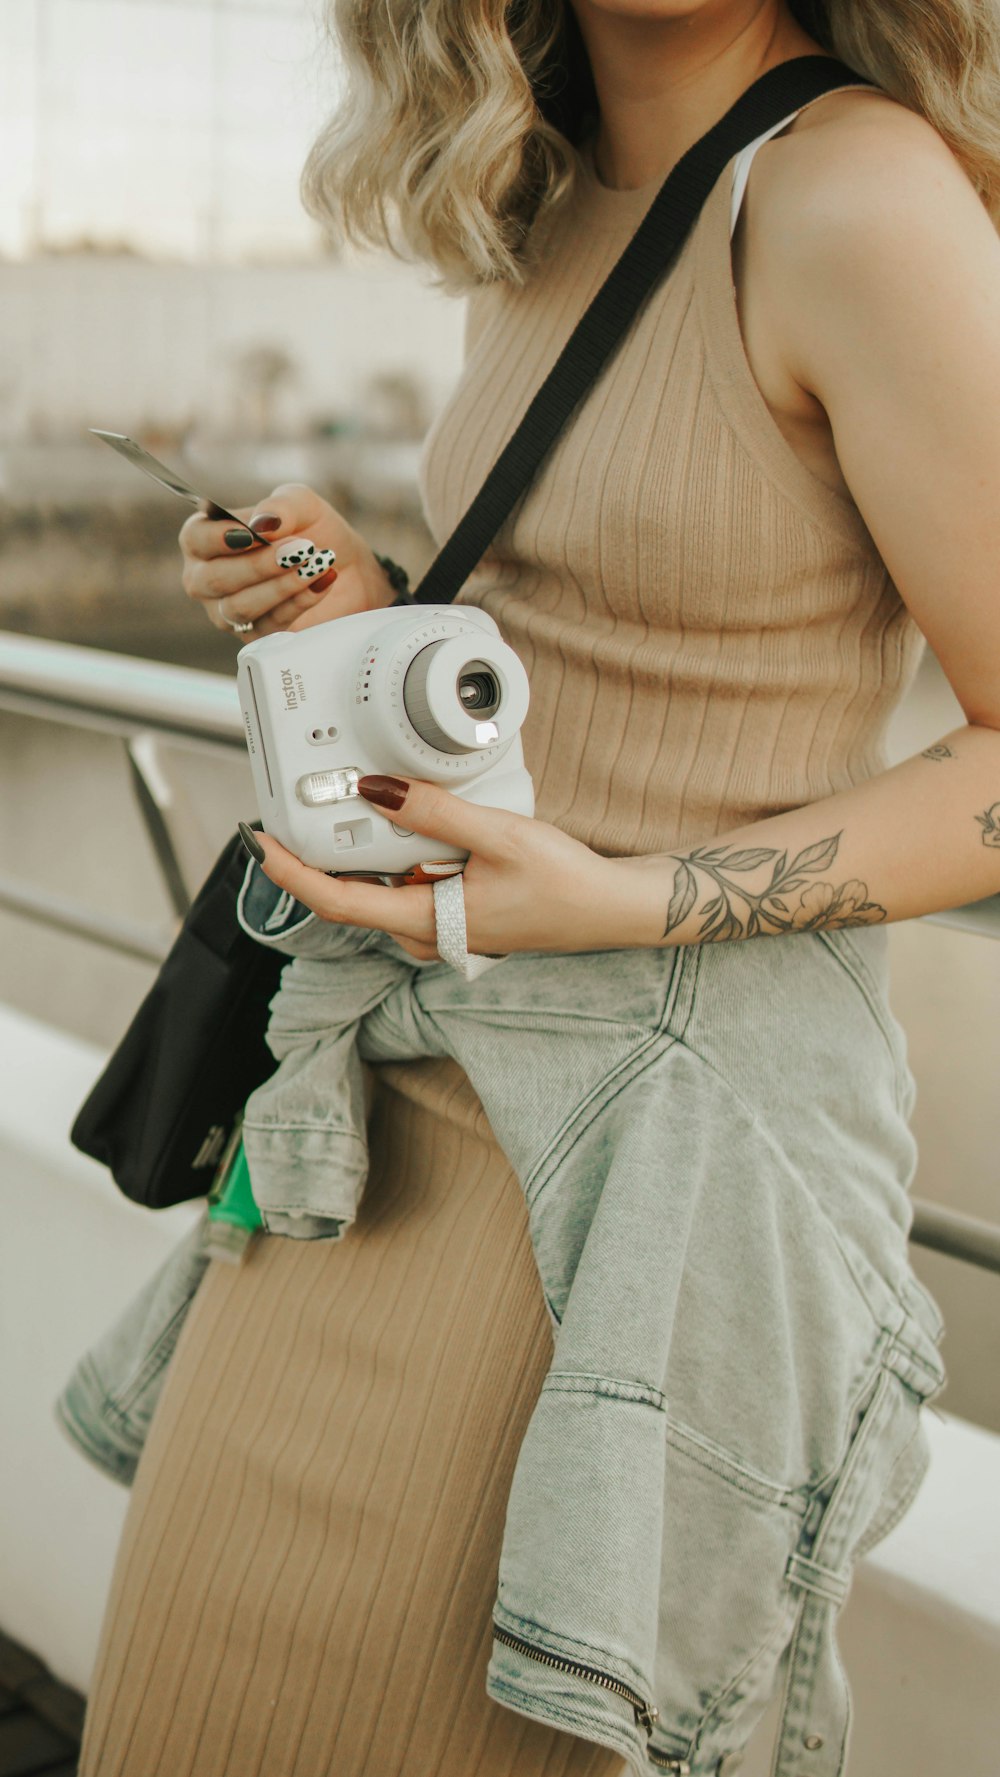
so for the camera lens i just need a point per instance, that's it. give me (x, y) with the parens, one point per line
(461, 705)
(478, 688)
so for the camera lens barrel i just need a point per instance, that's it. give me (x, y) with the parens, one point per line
(459, 701)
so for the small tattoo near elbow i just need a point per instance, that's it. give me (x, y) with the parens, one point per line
(940, 751)
(990, 823)
(790, 902)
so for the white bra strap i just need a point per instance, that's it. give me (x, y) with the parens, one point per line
(743, 163)
(744, 160)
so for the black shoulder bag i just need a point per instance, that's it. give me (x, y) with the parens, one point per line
(164, 1109)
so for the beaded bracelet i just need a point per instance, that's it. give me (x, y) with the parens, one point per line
(398, 579)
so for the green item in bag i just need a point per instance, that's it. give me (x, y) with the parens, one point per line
(233, 1216)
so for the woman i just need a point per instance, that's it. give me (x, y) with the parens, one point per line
(718, 586)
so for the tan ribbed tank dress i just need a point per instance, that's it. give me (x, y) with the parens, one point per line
(309, 1560)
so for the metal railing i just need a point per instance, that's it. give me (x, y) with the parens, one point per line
(143, 703)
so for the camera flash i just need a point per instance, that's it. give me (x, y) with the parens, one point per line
(321, 787)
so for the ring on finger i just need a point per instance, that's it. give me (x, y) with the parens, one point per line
(240, 629)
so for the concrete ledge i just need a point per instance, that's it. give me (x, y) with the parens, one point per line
(948, 1545)
(74, 1251)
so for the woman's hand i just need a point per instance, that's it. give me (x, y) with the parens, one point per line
(528, 886)
(246, 585)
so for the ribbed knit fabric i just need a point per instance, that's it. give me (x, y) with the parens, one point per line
(709, 631)
(309, 1560)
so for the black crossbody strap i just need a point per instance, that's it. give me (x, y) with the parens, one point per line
(645, 261)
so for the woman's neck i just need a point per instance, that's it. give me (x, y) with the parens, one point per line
(662, 83)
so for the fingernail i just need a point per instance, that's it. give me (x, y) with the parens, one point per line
(320, 561)
(318, 586)
(294, 552)
(431, 872)
(238, 539)
(265, 521)
(385, 792)
(250, 841)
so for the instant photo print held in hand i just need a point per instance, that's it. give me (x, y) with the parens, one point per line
(432, 692)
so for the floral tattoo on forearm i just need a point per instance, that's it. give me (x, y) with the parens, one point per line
(792, 901)
(990, 823)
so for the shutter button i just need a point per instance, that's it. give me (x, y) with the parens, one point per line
(404, 832)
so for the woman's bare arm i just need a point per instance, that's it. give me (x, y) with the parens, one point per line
(884, 272)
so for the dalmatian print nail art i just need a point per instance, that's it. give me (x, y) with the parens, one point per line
(294, 552)
(320, 561)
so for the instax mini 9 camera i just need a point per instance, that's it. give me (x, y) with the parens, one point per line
(430, 691)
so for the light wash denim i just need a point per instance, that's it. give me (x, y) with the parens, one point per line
(715, 1151)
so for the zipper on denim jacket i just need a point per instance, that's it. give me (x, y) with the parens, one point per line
(646, 1714)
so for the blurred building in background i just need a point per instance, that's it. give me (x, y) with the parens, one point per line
(158, 276)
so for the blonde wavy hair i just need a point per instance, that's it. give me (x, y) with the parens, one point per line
(456, 136)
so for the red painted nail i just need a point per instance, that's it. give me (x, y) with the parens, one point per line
(385, 792)
(324, 582)
(265, 521)
(432, 872)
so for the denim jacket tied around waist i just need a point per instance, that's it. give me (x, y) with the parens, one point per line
(714, 1147)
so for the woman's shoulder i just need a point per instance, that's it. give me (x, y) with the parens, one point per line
(859, 193)
(854, 153)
